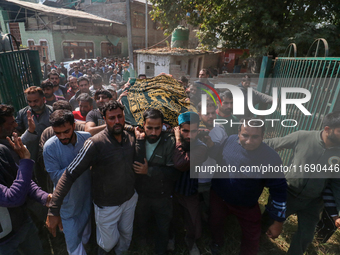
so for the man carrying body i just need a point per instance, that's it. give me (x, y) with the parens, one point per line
(189, 151)
(258, 97)
(59, 151)
(224, 113)
(155, 185)
(238, 192)
(311, 148)
(47, 87)
(111, 155)
(217, 134)
(94, 119)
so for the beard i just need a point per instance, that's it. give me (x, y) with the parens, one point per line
(38, 108)
(83, 113)
(334, 139)
(209, 124)
(152, 138)
(67, 140)
(226, 111)
(116, 129)
(185, 143)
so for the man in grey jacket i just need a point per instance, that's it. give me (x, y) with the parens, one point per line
(318, 150)
(32, 121)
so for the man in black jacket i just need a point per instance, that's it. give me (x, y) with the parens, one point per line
(155, 184)
(111, 153)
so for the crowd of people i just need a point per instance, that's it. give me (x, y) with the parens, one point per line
(112, 70)
(76, 156)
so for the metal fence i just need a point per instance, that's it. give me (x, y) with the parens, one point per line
(320, 76)
(18, 71)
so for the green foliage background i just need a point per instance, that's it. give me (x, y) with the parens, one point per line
(264, 27)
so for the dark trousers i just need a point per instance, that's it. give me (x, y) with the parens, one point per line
(26, 241)
(192, 217)
(161, 209)
(249, 219)
(325, 228)
(308, 212)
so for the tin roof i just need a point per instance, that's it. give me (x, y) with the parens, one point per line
(60, 11)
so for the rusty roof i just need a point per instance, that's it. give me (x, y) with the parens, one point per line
(173, 51)
(60, 11)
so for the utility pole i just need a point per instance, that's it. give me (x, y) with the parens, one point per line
(146, 23)
(129, 35)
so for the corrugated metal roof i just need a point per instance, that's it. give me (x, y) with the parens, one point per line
(60, 11)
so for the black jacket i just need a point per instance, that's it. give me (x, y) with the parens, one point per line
(160, 179)
(113, 177)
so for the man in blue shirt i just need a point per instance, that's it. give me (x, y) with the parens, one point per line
(59, 152)
(237, 192)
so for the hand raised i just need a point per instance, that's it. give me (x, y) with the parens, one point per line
(31, 123)
(19, 147)
(139, 133)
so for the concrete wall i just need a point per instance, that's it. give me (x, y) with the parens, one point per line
(113, 11)
(38, 36)
(3, 17)
(176, 65)
(162, 63)
(117, 12)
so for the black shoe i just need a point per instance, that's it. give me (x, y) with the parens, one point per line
(215, 249)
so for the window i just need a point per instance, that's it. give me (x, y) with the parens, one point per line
(138, 20)
(77, 50)
(42, 49)
(149, 69)
(109, 50)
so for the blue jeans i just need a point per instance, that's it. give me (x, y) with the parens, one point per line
(25, 241)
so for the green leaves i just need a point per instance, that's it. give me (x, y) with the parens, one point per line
(263, 26)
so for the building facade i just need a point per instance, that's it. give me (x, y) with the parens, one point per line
(62, 34)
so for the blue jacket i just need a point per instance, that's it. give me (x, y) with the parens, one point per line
(244, 189)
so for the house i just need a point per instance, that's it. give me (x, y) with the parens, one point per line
(175, 61)
(62, 34)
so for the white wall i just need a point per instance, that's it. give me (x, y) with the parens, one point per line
(162, 63)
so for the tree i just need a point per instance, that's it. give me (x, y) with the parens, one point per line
(261, 26)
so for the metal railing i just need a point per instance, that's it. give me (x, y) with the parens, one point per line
(319, 75)
(18, 71)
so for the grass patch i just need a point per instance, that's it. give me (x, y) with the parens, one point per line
(232, 243)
